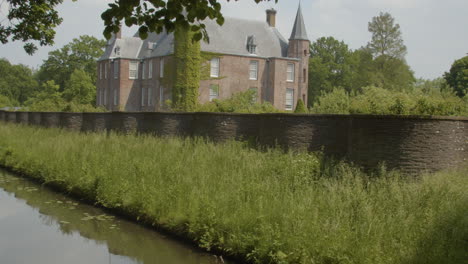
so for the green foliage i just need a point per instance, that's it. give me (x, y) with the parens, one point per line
(30, 21)
(331, 65)
(265, 207)
(5, 102)
(187, 77)
(335, 102)
(239, 103)
(376, 100)
(392, 74)
(300, 107)
(457, 77)
(386, 37)
(48, 98)
(80, 54)
(80, 88)
(16, 82)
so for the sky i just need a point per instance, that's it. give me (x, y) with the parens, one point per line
(435, 32)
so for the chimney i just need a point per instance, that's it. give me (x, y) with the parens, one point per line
(118, 35)
(271, 17)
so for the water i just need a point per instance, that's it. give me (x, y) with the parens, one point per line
(43, 227)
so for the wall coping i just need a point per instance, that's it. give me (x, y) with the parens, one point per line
(325, 116)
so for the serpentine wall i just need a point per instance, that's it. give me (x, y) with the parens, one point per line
(409, 143)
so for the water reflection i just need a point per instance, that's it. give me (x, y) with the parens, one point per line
(40, 226)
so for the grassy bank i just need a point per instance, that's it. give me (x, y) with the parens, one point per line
(268, 207)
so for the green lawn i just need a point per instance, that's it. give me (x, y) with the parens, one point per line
(265, 207)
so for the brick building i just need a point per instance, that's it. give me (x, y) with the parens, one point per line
(133, 73)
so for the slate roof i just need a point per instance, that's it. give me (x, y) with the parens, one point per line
(299, 30)
(231, 38)
(129, 48)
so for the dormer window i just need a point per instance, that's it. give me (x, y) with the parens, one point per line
(252, 44)
(117, 51)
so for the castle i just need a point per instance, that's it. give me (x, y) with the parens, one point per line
(250, 55)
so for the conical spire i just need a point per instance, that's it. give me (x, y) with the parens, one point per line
(299, 29)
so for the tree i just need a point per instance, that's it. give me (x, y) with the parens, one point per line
(36, 20)
(30, 21)
(392, 74)
(386, 46)
(48, 98)
(331, 65)
(81, 54)
(80, 89)
(16, 82)
(386, 37)
(457, 77)
(300, 107)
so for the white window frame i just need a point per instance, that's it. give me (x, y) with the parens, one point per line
(253, 70)
(116, 69)
(105, 71)
(105, 96)
(161, 95)
(115, 96)
(290, 72)
(252, 49)
(143, 70)
(150, 69)
(289, 102)
(161, 68)
(150, 94)
(214, 93)
(214, 67)
(134, 70)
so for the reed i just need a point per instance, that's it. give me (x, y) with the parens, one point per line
(264, 207)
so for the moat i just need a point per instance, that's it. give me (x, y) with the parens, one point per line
(40, 226)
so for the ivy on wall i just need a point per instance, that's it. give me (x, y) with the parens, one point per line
(187, 56)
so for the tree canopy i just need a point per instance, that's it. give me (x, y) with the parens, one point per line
(80, 54)
(330, 65)
(17, 82)
(386, 37)
(457, 76)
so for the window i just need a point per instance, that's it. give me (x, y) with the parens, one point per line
(133, 70)
(254, 94)
(252, 44)
(115, 96)
(116, 69)
(150, 69)
(161, 95)
(214, 92)
(252, 49)
(161, 68)
(142, 96)
(290, 72)
(289, 99)
(100, 71)
(105, 70)
(150, 90)
(214, 68)
(105, 96)
(143, 70)
(304, 75)
(253, 70)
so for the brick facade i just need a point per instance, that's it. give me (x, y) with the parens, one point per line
(144, 94)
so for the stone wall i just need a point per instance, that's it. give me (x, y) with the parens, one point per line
(409, 143)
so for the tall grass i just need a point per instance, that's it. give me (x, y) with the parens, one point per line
(265, 207)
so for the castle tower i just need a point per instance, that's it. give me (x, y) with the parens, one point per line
(299, 48)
